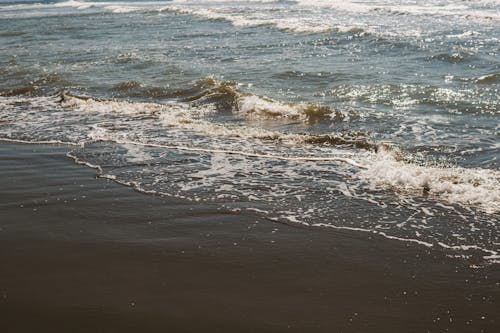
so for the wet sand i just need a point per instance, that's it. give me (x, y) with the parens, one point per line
(80, 254)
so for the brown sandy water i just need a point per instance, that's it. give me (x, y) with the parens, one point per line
(80, 254)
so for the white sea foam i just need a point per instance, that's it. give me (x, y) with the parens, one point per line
(41, 142)
(186, 117)
(110, 106)
(480, 9)
(255, 106)
(372, 231)
(269, 16)
(469, 187)
(69, 7)
(476, 187)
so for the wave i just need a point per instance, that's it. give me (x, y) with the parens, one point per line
(190, 117)
(483, 9)
(308, 17)
(73, 6)
(238, 13)
(250, 17)
(226, 96)
(385, 168)
(83, 4)
(114, 6)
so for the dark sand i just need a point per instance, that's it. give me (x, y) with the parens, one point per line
(80, 254)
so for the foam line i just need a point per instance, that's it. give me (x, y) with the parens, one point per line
(383, 234)
(43, 142)
(242, 153)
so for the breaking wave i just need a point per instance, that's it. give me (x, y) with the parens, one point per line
(226, 96)
(191, 116)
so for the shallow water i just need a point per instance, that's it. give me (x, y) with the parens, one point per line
(374, 116)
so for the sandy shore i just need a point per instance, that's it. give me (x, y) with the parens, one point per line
(80, 254)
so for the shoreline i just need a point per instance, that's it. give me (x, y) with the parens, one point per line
(86, 254)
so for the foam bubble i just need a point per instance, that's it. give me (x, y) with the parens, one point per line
(476, 187)
(86, 104)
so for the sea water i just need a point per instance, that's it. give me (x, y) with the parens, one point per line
(375, 116)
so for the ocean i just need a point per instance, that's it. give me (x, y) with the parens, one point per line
(379, 117)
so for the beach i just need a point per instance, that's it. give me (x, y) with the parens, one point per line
(249, 166)
(84, 254)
